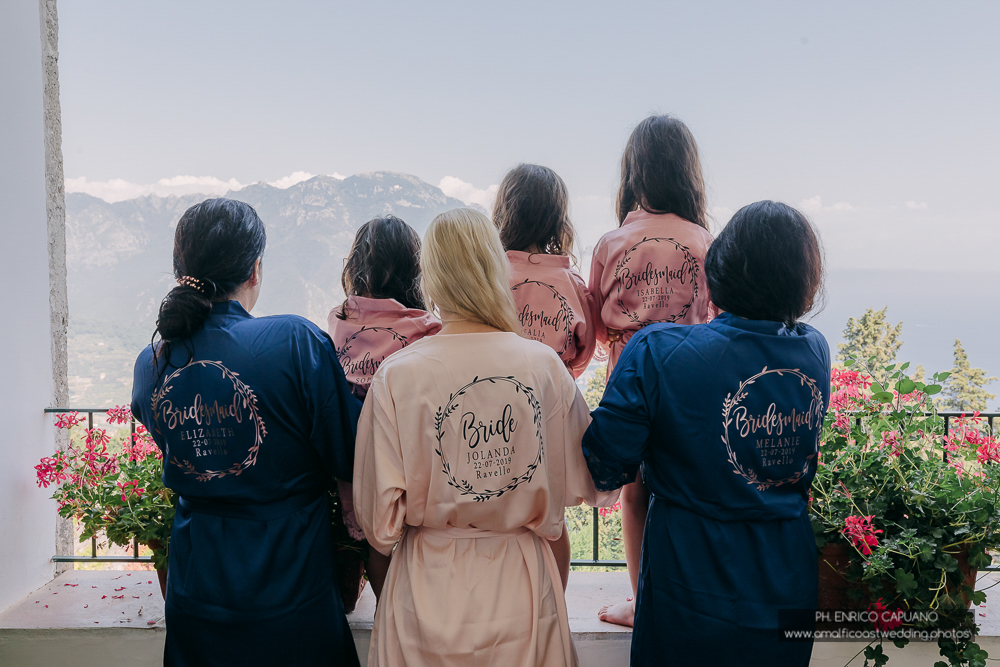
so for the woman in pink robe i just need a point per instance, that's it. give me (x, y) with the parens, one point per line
(383, 313)
(553, 303)
(651, 269)
(384, 310)
(468, 451)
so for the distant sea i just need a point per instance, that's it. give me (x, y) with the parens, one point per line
(934, 307)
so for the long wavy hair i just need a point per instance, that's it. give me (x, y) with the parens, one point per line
(384, 263)
(464, 270)
(532, 211)
(661, 172)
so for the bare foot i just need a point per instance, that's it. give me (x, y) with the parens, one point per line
(622, 613)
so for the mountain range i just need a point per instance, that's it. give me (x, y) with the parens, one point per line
(119, 261)
(119, 268)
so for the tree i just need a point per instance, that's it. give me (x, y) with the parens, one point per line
(871, 336)
(595, 387)
(964, 388)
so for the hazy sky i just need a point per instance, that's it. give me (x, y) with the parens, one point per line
(878, 119)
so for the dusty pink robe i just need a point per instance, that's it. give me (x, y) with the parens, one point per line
(554, 306)
(374, 329)
(468, 451)
(651, 269)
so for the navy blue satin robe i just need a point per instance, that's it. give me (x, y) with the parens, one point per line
(252, 430)
(725, 419)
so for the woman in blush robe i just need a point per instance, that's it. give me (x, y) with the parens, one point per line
(255, 419)
(651, 269)
(383, 313)
(725, 417)
(468, 453)
(384, 310)
(553, 303)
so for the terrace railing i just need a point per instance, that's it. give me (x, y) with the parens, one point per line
(94, 557)
(594, 561)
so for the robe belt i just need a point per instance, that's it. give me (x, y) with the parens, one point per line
(454, 533)
(252, 511)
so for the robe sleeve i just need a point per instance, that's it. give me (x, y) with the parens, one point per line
(617, 440)
(596, 276)
(331, 407)
(143, 378)
(579, 483)
(379, 476)
(586, 336)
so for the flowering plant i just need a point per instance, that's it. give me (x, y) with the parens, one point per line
(112, 483)
(915, 504)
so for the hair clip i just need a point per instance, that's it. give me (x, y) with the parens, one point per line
(193, 283)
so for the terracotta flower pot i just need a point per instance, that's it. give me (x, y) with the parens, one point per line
(835, 558)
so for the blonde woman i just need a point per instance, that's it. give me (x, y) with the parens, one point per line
(468, 450)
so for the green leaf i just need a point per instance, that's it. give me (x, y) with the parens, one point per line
(905, 386)
(901, 642)
(904, 366)
(932, 389)
(848, 363)
(979, 559)
(941, 377)
(906, 583)
(883, 396)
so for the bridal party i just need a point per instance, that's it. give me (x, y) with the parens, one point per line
(438, 420)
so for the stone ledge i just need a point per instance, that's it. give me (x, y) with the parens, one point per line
(84, 617)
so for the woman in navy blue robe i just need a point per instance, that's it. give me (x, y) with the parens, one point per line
(255, 418)
(724, 419)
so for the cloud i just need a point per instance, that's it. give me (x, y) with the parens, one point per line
(916, 205)
(118, 189)
(468, 193)
(815, 205)
(291, 179)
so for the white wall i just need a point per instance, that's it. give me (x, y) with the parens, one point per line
(27, 518)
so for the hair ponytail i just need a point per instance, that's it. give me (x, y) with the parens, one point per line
(216, 245)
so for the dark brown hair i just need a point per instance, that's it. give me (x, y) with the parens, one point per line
(767, 264)
(532, 209)
(384, 263)
(217, 244)
(661, 172)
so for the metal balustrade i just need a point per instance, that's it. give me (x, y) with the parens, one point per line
(595, 561)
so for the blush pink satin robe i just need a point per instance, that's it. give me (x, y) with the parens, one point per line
(374, 329)
(554, 306)
(468, 451)
(651, 269)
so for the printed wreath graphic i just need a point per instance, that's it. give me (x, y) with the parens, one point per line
(689, 260)
(347, 343)
(249, 401)
(445, 411)
(564, 310)
(731, 402)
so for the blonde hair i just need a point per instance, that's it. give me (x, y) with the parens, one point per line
(465, 270)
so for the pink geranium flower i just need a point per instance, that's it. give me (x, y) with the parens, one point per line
(860, 531)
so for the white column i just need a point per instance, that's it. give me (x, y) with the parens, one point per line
(29, 355)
